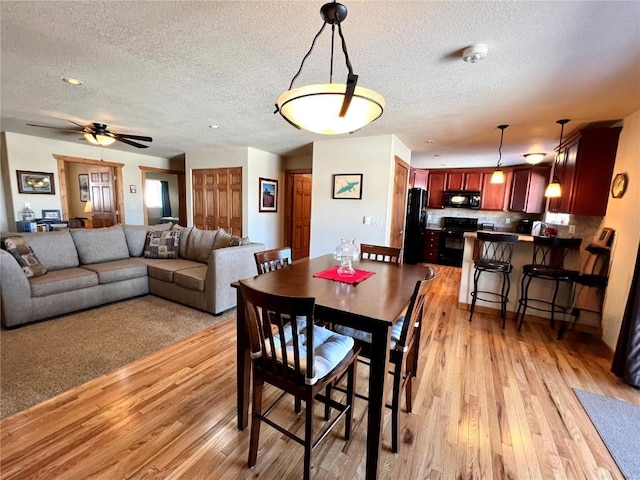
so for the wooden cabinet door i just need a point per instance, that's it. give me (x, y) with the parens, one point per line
(473, 180)
(519, 189)
(420, 178)
(565, 173)
(436, 187)
(455, 180)
(492, 197)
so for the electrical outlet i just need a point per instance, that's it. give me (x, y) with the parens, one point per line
(507, 220)
(366, 220)
(572, 229)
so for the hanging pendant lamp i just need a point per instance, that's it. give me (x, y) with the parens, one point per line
(498, 175)
(554, 190)
(330, 108)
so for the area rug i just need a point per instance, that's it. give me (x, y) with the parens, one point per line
(618, 424)
(42, 360)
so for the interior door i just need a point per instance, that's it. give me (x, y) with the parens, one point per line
(400, 189)
(102, 188)
(301, 215)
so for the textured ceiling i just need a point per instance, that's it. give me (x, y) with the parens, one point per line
(171, 69)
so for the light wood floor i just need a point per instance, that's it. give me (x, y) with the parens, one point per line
(489, 403)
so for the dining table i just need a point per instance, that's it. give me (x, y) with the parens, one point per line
(372, 305)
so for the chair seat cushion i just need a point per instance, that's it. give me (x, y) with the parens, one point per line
(542, 271)
(365, 337)
(498, 267)
(330, 348)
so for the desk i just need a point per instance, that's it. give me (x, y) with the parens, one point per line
(372, 306)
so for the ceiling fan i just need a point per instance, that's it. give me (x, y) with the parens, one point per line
(98, 134)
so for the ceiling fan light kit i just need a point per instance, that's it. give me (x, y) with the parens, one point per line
(98, 134)
(329, 108)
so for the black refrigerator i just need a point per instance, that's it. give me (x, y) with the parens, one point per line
(415, 225)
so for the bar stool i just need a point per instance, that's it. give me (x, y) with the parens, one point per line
(549, 254)
(493, 256)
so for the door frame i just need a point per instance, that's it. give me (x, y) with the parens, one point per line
(182, 192)
(117, 177)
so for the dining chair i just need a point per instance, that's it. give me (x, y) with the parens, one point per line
(404, 353)
(274, 259)
(380, 253)
(299, 358)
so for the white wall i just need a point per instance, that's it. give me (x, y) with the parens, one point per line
(623, 216)
(332, 219)
(265, 227)
(24, 152)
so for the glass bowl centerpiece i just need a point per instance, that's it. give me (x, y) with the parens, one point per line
(346, 253)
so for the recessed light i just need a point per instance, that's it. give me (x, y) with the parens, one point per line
(431, 141)
(214, 126)
(438, 155)
(72, 81)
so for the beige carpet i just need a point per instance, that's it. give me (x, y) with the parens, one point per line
(42, 360)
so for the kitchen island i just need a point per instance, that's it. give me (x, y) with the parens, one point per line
(522, 255)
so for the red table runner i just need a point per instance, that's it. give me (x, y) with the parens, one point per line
(332, 274)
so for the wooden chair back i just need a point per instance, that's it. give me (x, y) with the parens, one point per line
(380, 253)
(270, 328)
(413, 318)
(274, 259)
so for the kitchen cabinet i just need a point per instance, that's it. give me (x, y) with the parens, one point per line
(464, 180)
(527, 189)
(431, 245)
(436, 186)
(492, 193)
(584, 167)
(419, 178)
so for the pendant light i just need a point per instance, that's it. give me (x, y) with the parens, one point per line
(498, 175)
(330, 108)
(553, 189)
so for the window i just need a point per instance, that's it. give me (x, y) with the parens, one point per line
(153, 193)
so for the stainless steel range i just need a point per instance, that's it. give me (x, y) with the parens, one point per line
(452, 239)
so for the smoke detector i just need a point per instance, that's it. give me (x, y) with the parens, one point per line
(474, 53)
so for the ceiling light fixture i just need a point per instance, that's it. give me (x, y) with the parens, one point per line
(554, 190)
(534, 158)
(474, 53)
(498, 175)
(330, 108)
(72, 81)
(97, 139)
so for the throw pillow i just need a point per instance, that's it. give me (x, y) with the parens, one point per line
(236, 241)
(20, 250)
(162, 244)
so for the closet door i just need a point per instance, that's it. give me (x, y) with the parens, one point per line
(217, 199)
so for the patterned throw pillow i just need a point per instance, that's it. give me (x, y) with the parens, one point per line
(236, 241)
(164, 244)
(22, 252)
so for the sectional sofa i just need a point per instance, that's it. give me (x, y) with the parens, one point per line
(91, 267)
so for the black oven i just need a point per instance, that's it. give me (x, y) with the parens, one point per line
(462, 199)
(452, 239)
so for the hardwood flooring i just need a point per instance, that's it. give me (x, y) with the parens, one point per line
(489, 403)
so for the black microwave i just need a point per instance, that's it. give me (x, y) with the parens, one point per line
(462, 199)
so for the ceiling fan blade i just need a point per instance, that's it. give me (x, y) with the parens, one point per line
(134, 137)
(129, 142)
(76, 123)
(64, 129)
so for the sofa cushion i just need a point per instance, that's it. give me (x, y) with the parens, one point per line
(60, 281)
(55, 250)
(100, 244)
(222, 239)
(184, 237)
(118, 270)
(136, 236)
(200, 244)
(19, 249)
(162, 244)
(191, 278)
(164, 269)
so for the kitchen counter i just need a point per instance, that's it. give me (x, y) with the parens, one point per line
(522, 255)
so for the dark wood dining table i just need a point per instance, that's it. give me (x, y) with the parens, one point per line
(372, 305)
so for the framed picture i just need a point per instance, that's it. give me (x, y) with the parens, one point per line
(347, 185)
(35, 182)
(51, 215)
(268, 195)
(83, 180)
(604, 239)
